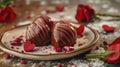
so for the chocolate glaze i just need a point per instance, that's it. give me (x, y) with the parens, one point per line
(43, 31)
(38, 32)
(63, 34)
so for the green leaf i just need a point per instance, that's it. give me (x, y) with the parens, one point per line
(8, 3)
(1, 4)
(105, 47)
(102, 55)
(96, 18)
(111, 15)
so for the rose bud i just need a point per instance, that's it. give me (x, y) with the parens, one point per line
(84, 13)
(7, 14)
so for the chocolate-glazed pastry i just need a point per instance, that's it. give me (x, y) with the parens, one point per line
(38, 32)
(63, 34)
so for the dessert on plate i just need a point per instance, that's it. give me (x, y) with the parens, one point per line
(43, 31)
(38, 32)
(45, 39)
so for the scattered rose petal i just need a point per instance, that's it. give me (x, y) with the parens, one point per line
(68, 48)
(57, 49)
(23, 62)
(80, 30)
(6, 56)
(108, 28)
(16, 41)
(59, 8)
(114, 57)
(59, 65)
(28, 46)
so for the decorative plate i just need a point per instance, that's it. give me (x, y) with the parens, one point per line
(47, 52)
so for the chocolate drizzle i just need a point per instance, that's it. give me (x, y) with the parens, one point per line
(38, 32)
(63, 34)
(43, 31)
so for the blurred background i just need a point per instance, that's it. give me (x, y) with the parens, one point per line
(104, 6)
(27, 10)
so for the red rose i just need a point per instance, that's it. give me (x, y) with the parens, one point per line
(114, 57)
(7, 14)
(84, 13)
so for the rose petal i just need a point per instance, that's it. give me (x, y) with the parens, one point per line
(59, 65)
(57, 49)
(90, 9)
(3, 16)
(23, 62)
(115, 57)
(6, 56)
(114, 46)
(80, 30)
(87, 14)
(108, 28)
(59, 8)
(28, 46)
(16, 41)
(116, 41)
(80, 15)
(12, 16)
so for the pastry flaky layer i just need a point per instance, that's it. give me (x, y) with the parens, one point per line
(44, 31)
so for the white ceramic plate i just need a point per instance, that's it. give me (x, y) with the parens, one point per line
(47, 52)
